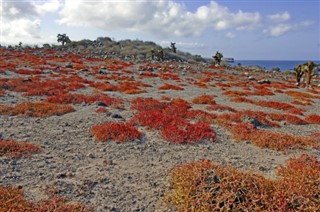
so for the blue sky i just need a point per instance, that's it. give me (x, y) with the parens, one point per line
(273, 29)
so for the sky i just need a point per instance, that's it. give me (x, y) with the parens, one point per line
(241, 29)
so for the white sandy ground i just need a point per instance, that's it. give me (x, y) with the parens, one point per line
(131, 176)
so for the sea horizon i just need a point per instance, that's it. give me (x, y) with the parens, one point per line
(269, 64)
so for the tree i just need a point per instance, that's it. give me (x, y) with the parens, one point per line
(217, 58)
(63, 38)
(173, 47)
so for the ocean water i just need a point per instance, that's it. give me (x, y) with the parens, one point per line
(269, 64)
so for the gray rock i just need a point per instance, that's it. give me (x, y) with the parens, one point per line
(69, 65)
(116, 116)
(264, 81)
(103, 70)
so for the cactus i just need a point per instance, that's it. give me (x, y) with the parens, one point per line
(298, 72)
(309, 69)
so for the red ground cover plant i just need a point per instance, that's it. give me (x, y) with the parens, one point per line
(104, 86)
(12, 199)
(313, 119)
(167, 76)
(38, 109)
(170, 87)
(145, 104)
(207, 186)
(200, 115)
(187, 133)
(132, 87)
(71, 98)
(291, 119)
(119, 132)
(204, 99)
(101, 110)
(171, 120)
(241, 99)
(75, 98)
(298, 186)
(221, 108)
(17, 149)
(315, 137)
(275, 105)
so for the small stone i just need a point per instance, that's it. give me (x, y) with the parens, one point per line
(103, 70)
(69, 65)
(61, 175)
(102, 104)
(116, 116)
(251, 78)
(90, 155)
(264, 81)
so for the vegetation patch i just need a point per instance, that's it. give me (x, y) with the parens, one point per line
(207, 186)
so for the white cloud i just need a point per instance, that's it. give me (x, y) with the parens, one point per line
(281, 29)
(230, 35)
(278, 30)
(21, 21)
(280, 17)
(161, 18)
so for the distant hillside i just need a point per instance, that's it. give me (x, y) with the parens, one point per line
(105, 47)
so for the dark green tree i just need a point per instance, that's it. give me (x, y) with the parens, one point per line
(217, 58)
(173, 47)
(63, 38)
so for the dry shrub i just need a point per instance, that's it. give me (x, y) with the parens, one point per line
(17, 149)
(204, 99)
(170, 87)
(12, 199)
(38, 109)
(298, 186)
(266, 139)
(120, 132)
(315, 137)
(207, 186)
(298, 95)
(313, 119)
(259, 117)
(279, 141)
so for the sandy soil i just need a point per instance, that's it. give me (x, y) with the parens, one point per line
(132, 176)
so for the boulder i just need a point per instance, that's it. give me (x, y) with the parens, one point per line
(264, 81)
